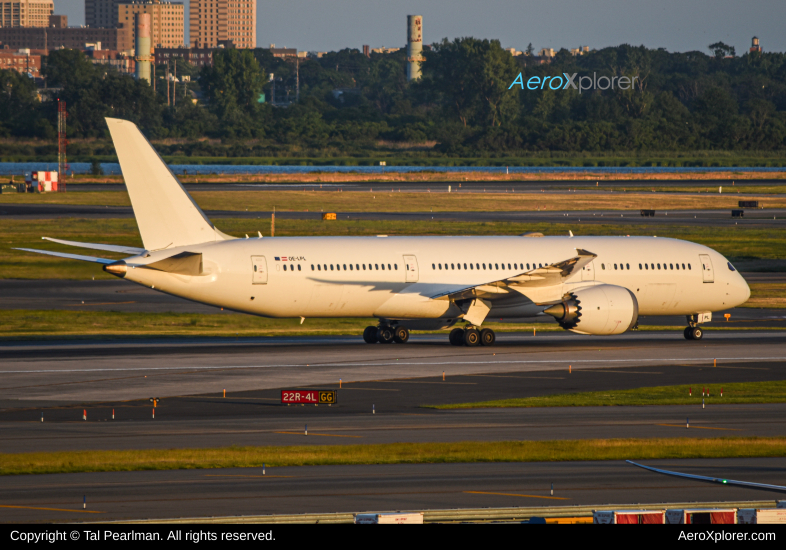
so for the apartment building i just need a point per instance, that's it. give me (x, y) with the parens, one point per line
(228, 22)
(26, 13)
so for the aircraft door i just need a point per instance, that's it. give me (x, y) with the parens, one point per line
(259, 273)
(588, 272)
(706, 268)
(411, 264)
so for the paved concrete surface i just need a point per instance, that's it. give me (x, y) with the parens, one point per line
(320, 489)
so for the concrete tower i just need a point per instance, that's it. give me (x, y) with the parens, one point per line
(142, 46)
(414, 46)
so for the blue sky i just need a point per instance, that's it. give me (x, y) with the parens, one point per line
(677, 25)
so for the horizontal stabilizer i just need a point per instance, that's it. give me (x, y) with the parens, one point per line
(93, 259)
(108, 247)
(185, 263)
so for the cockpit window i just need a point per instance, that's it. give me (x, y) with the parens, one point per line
(731, 267)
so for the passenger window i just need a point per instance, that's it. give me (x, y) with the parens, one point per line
(285, 267)
(331, 267)
(496, 266)
(639, 266)
(477, 266)
(440, 266)
(388, 267)
(627, 266)
(678, 266)
(484, 266)
(357, 267)
(671, 266)
(298, 267)
(383, 267)
(458, 266)
(652, 266)
(465, 266)
(345, 267)
(646, 266)
(615, 267)
(515, 266)
(527, 266)
(312, 267)
(395, 266)
(603, 266)
(688, 267)
(452, 266)
(509, 266)
(658, 266)
(350, 267)
(683, 266)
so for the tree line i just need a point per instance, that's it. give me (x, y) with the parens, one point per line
(463, 105)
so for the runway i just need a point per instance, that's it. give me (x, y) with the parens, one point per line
(61, 379)
(771, 217)
(321, 489)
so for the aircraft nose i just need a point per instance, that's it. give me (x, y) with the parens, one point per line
(742, 289)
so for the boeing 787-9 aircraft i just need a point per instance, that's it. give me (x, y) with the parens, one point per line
(590, 285)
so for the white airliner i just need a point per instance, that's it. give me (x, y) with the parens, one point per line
(591, 285)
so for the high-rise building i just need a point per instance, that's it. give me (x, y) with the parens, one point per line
(167, 22)
(101, 13)
(215, 22)
(26, 13)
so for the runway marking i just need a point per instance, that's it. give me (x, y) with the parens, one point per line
(624, 372)
(701, 427)
(51, 509)
(102, 304)
(499, 376)
(424, 382)
(240, 475)
(576, 361)
(370, 389)
(323, 435)
(740, 368)
(513, 495)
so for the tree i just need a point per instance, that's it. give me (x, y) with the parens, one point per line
(473, 77)
(530, 50)
(233, 85)
(722, 50)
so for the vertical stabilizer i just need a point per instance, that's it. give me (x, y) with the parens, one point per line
(165, 213)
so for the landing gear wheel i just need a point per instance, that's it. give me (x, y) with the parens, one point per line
(370, 335)
(487, 337)
(687, 334)
(385, 335)
(456, 337)
(471, 337)
(696, 333)
(400, 335)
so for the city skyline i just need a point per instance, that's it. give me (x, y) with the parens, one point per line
(672, 24)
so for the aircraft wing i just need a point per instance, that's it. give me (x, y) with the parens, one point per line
(105, 261)
(539, 277)
(108, 247)
(749, 484)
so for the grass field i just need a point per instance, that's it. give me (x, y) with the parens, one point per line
(732, 242)
(394, 453)
(390, 199)
(733, 393)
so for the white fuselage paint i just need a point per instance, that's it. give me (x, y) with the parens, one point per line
(351, 282)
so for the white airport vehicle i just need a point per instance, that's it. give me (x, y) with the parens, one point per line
(590, 285)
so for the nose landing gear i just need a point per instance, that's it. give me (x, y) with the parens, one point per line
(692, 331)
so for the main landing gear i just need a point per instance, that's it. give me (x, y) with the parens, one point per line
(385, 334)
(472, 337)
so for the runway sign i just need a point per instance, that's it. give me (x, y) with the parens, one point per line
(313, 397)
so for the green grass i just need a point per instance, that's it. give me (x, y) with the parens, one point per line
(735, 243)
(386, 197)
(733, 393)
(23, 324)
(393, 453)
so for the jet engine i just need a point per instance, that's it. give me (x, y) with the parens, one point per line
(602, 310)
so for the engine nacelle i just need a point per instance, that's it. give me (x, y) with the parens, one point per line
(602, 310)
